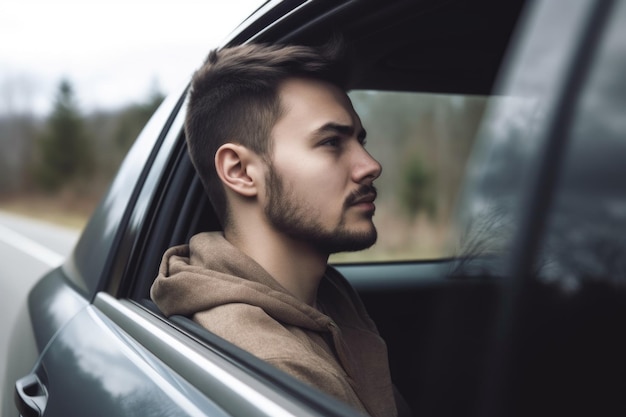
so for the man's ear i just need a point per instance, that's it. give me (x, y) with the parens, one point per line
(236, 166)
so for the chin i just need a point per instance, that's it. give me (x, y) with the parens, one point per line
(353, 241)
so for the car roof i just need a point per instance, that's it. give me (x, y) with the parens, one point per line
(453, 46)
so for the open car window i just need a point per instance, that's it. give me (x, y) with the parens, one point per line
(424, 142)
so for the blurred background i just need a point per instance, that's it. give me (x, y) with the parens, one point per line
(78, 81)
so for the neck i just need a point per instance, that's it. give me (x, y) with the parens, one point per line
(294, 264)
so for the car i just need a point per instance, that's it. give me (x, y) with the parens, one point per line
(499, 279)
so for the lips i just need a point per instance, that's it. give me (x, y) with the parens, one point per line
(368, 198)
(366, 194)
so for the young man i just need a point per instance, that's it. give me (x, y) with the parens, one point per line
(280, 151)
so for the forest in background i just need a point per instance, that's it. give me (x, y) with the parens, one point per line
(58, 166)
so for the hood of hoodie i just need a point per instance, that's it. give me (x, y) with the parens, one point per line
(210, 272)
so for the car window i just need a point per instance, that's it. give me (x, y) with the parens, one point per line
(511, 140)
(422, 142)
(585, 238)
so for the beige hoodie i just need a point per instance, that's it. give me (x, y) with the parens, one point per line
(228, 293)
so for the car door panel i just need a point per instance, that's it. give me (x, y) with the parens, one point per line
(52, 303)
(217, 369)
(107, 374)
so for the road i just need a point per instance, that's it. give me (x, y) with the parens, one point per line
(28, 248)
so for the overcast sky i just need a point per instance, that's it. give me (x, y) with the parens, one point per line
(113, 52)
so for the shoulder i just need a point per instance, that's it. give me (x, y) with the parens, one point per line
(252, 329)
(234, 320)
(290, 349)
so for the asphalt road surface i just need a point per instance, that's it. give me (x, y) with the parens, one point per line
(28, 249)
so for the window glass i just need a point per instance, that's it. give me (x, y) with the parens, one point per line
(586, 239)
(512, 137)
(423, 142)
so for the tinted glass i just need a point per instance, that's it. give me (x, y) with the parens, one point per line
(586, 237)
(513, 136)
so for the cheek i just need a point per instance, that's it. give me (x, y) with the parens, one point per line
(315, 181)
(315, 178)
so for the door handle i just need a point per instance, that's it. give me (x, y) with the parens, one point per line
(31, 396)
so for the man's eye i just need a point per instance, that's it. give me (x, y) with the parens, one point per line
(332, 142)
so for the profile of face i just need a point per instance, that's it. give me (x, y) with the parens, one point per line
(319, 183)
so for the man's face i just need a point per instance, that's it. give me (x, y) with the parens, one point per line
(319, 183)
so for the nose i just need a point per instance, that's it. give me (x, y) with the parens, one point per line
(366, 169)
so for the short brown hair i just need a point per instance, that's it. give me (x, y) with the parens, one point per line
(234, 98)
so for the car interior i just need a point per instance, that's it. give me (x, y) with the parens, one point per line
(437, 326)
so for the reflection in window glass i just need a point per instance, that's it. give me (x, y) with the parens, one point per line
(423, 142)
(586, 239)
(511, 138)
(489, 212)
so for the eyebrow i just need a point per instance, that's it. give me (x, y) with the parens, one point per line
(345, 130)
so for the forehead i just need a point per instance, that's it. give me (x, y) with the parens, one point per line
(315, 101)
